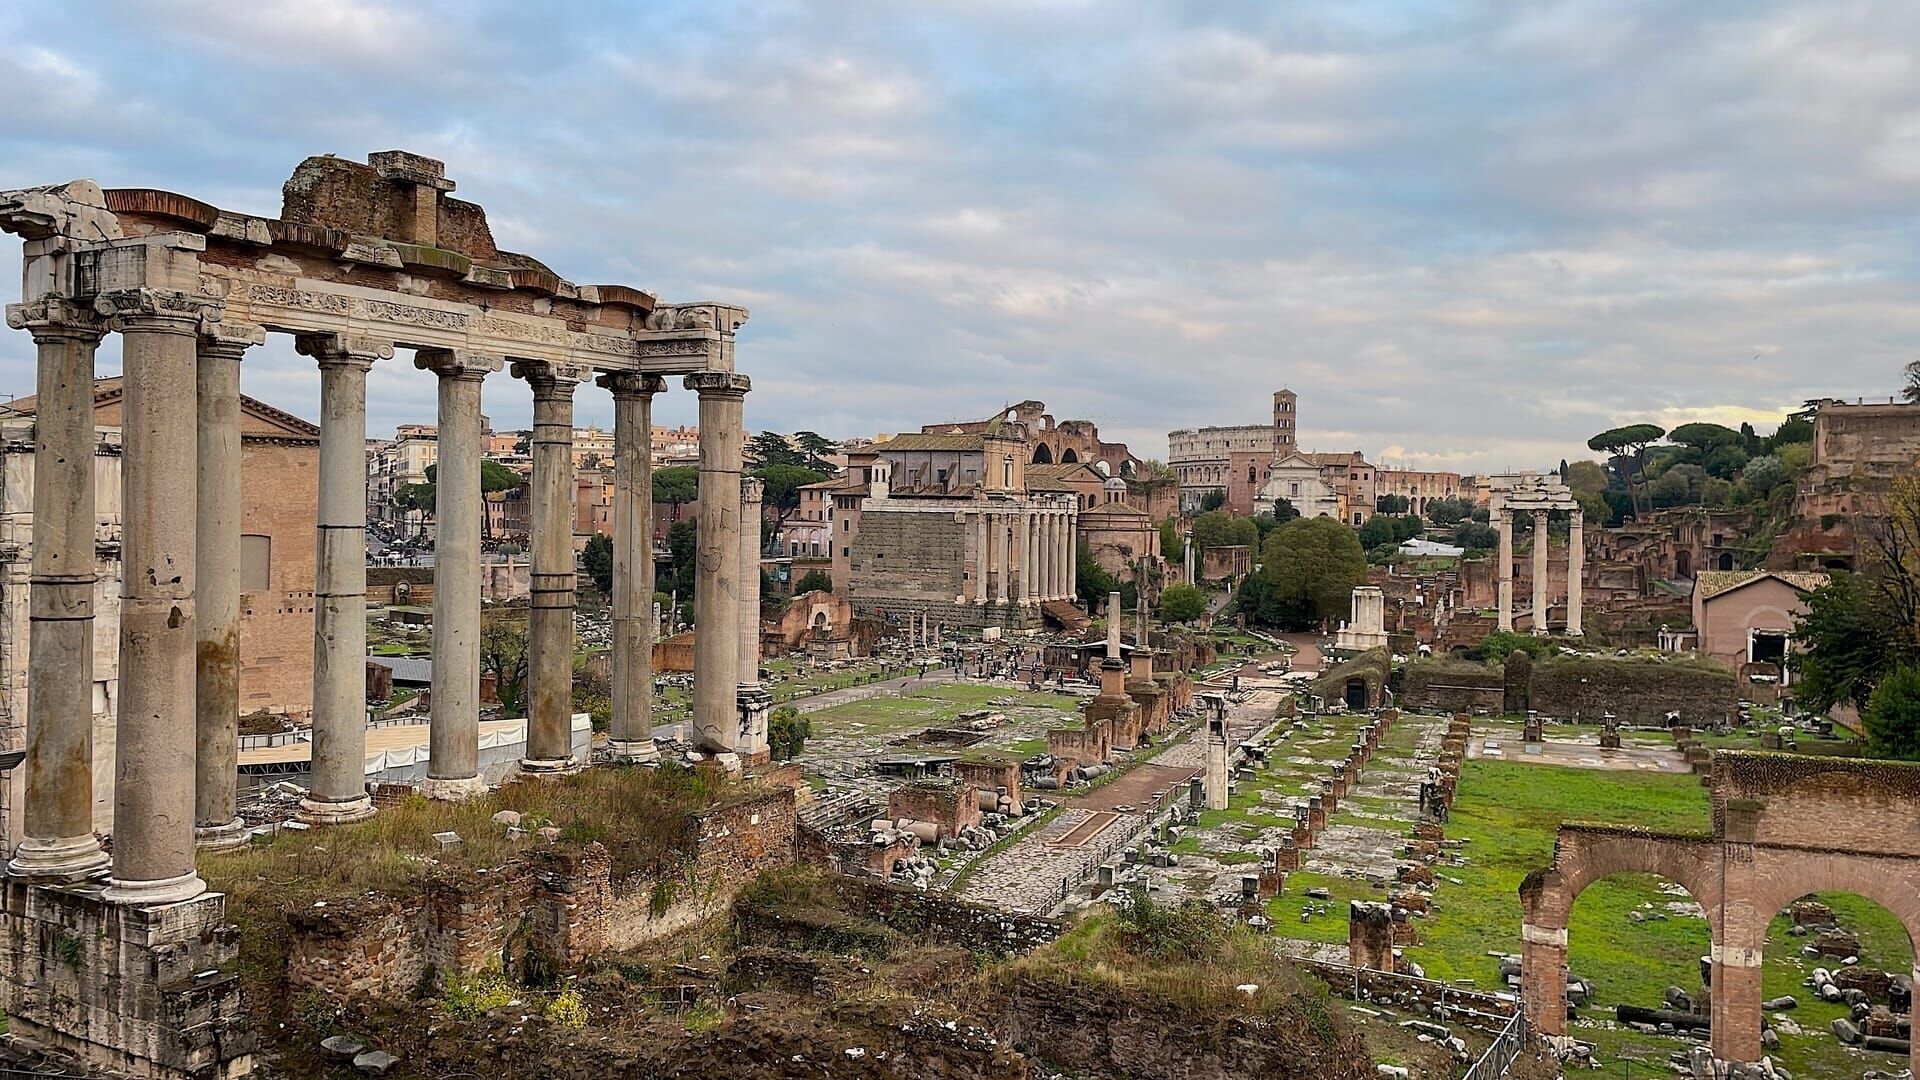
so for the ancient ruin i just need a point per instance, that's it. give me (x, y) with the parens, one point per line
(1539, 496)
(364, 260)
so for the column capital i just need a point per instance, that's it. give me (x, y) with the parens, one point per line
(342, 350)
(230, 339)
(630, 384)
(54, 318)
(752, 489)
(704, 315)
(549, 379)
(457, 363)
(718, 383)
(158, 310)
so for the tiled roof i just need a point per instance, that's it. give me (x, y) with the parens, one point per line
(1712, 583)
(930, 442)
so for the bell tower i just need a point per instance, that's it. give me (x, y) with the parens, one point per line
(1285, 440)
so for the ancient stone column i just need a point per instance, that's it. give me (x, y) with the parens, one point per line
(716, 643)
(216, 824)
(153, 793)
(1049, 545)
(453, 740)
(338, 790)
(58, 821)
(631, 727)
(1029, 556)
(980, 568)
(1540, 572)
(751, 701)
(1503, 525)
(1576, 569)
(1002, 557)
(552, 588)
(1073, 556)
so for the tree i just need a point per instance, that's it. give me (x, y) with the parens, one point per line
(1475, 536)
(1173, 546)
(1283, 512)
(1911, 391)
(1725, 462)
(598, 560)
(787, 732)
(814, 581)
(1449, 511)
(771, 448)
(1093, 582)
(676, 485)
(497, 477)
(1213, 500)
(522, 443)
(1763, 474)
(782, 484)
(1312, 566)
(1794, 429)
(815, 449)
(1705, 437)
(1386, 529)
(1182, 603)
(1583, 477)
(415, 497)
(1218, 529)
(683, 544)
(1846, 645)
(503, 653)
(1629, 445)
(1892, 715)
(1392, 504)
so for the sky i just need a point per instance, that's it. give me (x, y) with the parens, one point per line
(1468, 234)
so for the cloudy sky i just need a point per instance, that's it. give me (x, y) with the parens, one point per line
(1468, 234)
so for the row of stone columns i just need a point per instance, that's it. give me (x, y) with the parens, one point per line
(176, 729)
(1502, 520)
(1022, 555)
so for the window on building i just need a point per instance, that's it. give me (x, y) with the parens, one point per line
(846, 553)
(1006, 471)
(941, 478)
(256, 563)
(1293, 491)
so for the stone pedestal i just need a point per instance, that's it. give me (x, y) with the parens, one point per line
(1217, 784)
(138, 990)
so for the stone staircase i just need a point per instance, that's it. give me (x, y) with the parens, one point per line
(1069, 617)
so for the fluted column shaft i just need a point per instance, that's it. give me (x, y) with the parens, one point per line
(751, 701)
(1002, 557)
(154, 736)
(217, 567)
(980, 558)
(631, 727)
(453, 737)
(338, 791)
(716, 643)
(1540, 572)
(58, 815)
(552, 590)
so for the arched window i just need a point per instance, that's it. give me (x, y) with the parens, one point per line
(1068, 457)
(1042, 455)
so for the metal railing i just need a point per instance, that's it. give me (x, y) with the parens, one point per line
(1506, 1049)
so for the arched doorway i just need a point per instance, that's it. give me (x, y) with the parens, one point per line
(1042, 455)
(1726, 560)
(1683, 564)
(1356, 693)
(1068, 457)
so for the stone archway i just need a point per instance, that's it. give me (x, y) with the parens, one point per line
(1068, 457)
(1042, 455)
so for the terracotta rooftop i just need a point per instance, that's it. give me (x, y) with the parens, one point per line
(1712, 583)
(931, 443)
(109, 389)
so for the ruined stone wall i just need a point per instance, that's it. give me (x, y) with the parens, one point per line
(978, 928)
(1637, 691)
(1453, 686)
(554, 905)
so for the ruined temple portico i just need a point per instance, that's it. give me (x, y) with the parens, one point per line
(1539, 496)
(365, 262)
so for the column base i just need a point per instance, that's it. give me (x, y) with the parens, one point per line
(171, 890)
(634, 751)
(70, 858)
(754, 704)
(549, 767)
(460, 789)
(328, 812)
(225, 837)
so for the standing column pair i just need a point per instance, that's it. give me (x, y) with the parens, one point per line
(631, 726)
(453, 752)
(552, 588)
(1503, 569)
(750, 699)
(338, 791)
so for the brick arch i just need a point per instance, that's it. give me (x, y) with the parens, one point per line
(1780, 878)
(1583, 855)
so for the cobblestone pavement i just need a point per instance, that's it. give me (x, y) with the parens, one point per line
(1369, 828)
(1035, 874)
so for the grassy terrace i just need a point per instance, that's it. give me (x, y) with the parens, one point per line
(1258, 809)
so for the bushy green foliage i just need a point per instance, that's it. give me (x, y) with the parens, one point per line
(1892, 716)
(1453, 510)
(676, 484)
(1182, 603)
(1309, 568)
(787, 731)
(1217, 529)
(1170, 933)
(814, 581)
(1849, 645)
(597, 558)
(1173, 546)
